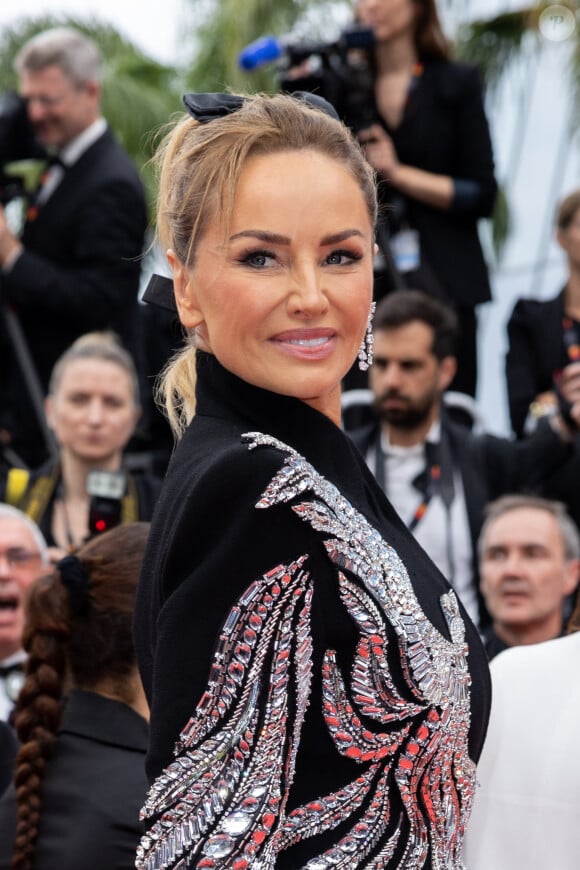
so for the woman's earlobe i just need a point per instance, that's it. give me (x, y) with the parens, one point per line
(177, 270)
(185, 297)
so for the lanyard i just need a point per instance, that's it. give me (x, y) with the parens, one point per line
(436, 479)
(427, 482)
(433, 478)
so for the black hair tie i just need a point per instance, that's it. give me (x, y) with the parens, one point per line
(76, 580)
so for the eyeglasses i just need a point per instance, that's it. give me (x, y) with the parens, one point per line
(18, 558)
(44, 102)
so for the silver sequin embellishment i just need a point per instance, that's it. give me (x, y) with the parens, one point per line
(222, 802)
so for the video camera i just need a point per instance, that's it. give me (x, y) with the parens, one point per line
(339, 71)
(18, 147)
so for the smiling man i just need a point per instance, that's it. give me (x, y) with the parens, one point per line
(529, 563)
(23, 558)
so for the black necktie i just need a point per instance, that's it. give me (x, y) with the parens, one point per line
(36, 200)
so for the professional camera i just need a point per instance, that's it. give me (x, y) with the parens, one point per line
(339, 71)
(18, 148)
(11, 187)
(106, 489)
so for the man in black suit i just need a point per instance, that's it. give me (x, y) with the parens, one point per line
(76, 266)
(438, 474)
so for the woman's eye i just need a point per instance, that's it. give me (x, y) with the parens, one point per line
(342, 258)
(257, 259)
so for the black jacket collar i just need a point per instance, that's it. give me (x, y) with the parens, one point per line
(90, 715)
(221, 394)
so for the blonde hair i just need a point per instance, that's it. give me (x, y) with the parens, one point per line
(100, 346)
(200, 166)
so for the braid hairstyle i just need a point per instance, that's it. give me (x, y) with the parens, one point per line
(72, 647)
(39, 707)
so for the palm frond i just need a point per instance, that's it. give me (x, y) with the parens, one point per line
(229, 27)
(494, 43)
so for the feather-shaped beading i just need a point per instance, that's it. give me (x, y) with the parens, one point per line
(222, 803)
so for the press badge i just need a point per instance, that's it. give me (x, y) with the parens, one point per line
(406, 251)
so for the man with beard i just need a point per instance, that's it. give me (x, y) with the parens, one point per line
(437, 473)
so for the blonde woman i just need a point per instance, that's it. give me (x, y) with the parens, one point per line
(318, 696)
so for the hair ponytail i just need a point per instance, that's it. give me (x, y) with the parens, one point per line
(175, 391)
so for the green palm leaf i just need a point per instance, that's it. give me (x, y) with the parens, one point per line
(229, 26)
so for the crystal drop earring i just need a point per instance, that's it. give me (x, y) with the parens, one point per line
(365, 353)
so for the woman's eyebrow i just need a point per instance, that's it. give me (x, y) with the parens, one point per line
(263, 236)
(278, 239)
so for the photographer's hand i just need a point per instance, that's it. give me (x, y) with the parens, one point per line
(569, 382)
(428, 187)
(379, 150)
(10, 246)
(566, 420)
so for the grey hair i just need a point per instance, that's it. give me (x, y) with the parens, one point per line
(75, 54)
(9, 512)
(557, 509)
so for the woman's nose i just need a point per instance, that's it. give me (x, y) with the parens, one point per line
(307, 296)
(95, 411)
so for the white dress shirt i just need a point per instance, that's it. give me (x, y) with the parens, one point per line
(69, 155)
(444, 534)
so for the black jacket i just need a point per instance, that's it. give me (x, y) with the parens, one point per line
(445, 131)
(256, 578)
(536, 351)
(80, 267)
(92, 791)
(490, 466)
(8, 750)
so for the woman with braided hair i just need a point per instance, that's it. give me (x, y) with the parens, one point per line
(81, 716)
